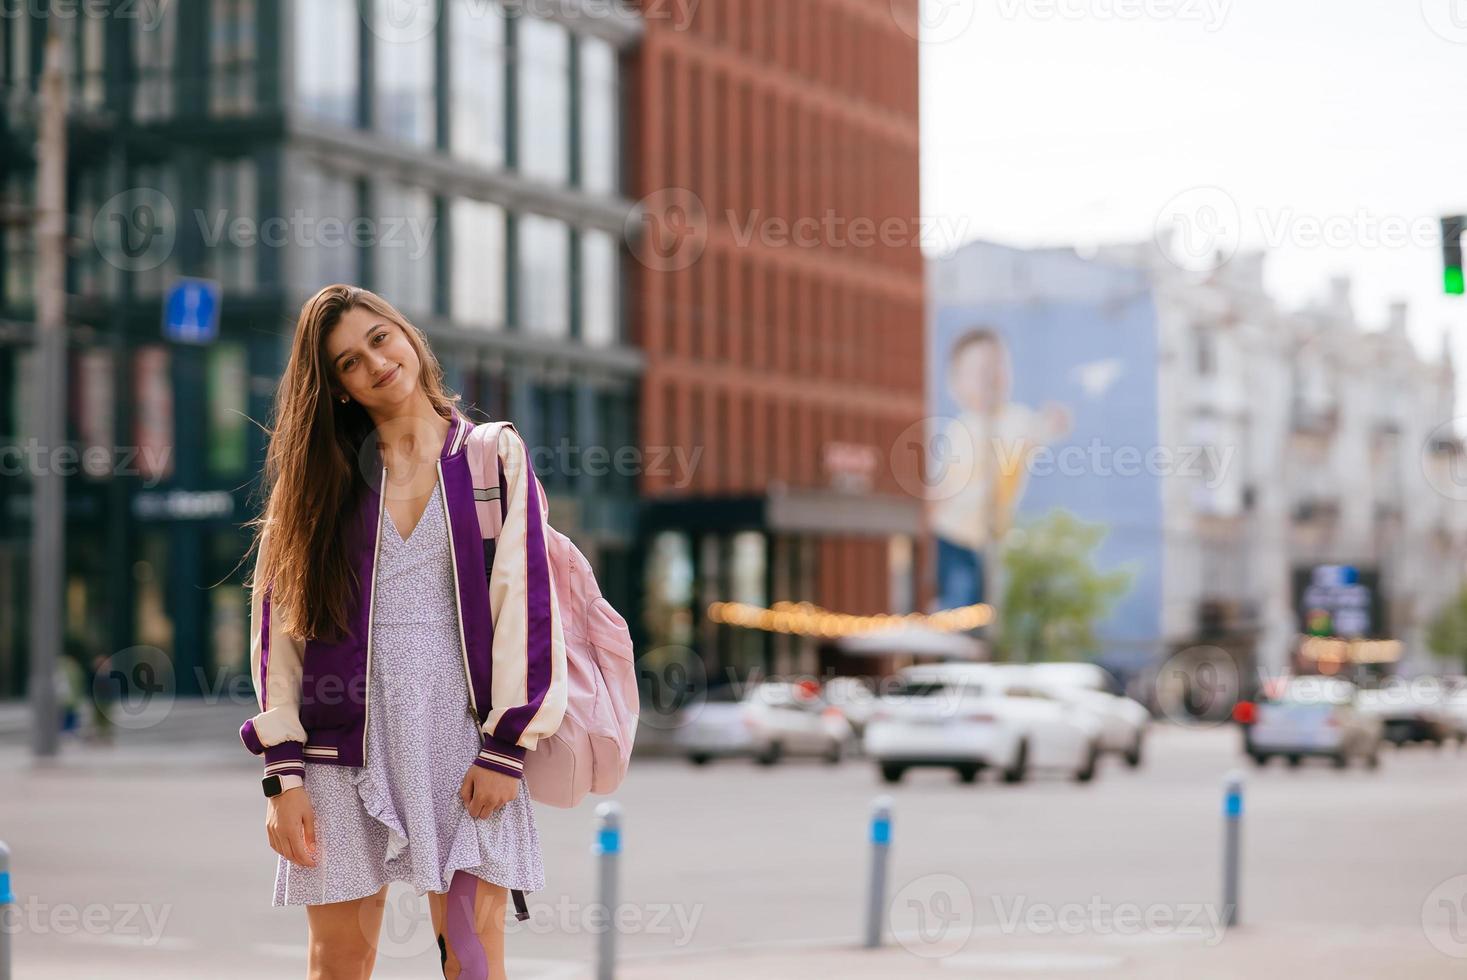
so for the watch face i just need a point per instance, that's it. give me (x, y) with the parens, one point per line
(272, 785)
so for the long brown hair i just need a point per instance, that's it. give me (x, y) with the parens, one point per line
(313, 476)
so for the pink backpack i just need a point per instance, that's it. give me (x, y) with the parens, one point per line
(591, 749)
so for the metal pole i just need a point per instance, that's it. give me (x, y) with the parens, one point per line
(1232, 842)
(48, 486)
(880, 851)
(608, 846)
(7, 900)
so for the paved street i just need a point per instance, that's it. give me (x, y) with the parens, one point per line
(150, 860)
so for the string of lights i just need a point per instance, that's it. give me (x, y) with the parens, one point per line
(808, 619)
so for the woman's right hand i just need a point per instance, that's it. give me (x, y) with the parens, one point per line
(291, 825)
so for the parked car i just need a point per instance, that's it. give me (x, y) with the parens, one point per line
(973, 717)
(1305, 717)
(1453, 714)
(1123, 721)
(771, 721)
(1407, 716)
(856, 699)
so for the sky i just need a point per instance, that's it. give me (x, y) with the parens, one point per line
(1333, 134)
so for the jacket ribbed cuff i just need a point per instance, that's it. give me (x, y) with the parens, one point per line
(501, 756)
(285, 759)
(250, 739)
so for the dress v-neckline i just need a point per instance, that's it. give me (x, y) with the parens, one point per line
(416, 524)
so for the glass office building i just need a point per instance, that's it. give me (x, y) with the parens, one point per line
(467, 164)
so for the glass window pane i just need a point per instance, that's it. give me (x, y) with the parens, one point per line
(153, 48)
(148, 240)
(153, 421)
(23, 408)
(477, 65)
(544, 280)
(405, 99)
(600, 299)
(95, 276)
(20, 243)
(229, 611)
(18, 66)
(477, 297)
(543, 59)
(746, 572)
(232, 57)
(89, 62)
(95, 410)
(402, 247)
(231, 225)
(227, 392)
(326, 75)
(150, 582)
(323, 253)
(669, 584)
(600, 96)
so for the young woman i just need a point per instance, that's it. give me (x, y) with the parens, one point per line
(399, 686)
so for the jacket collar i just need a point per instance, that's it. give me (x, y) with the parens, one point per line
(454, 441)
(458, 434)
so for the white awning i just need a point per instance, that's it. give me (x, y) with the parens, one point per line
(914, 640)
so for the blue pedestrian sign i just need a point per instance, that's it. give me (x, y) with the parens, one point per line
(191, 311)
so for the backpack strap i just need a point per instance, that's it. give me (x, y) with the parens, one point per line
(489, 503)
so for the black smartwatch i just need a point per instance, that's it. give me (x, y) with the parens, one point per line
(275, 785)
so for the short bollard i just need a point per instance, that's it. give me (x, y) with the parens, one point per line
(1232, 855)
(6, 900)
(880, 849)
(608, 846)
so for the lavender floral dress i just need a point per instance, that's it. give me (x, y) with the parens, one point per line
(399, 817)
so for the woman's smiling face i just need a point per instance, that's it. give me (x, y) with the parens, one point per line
(372, 359)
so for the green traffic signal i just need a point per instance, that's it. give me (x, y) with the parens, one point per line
(1454, 282)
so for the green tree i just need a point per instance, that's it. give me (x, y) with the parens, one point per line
(1053, 594)
(1446, 634)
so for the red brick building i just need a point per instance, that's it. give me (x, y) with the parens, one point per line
(779, 302)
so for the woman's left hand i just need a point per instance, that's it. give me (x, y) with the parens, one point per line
(486, 790)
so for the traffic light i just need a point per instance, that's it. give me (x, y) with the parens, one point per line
(1452, 252)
